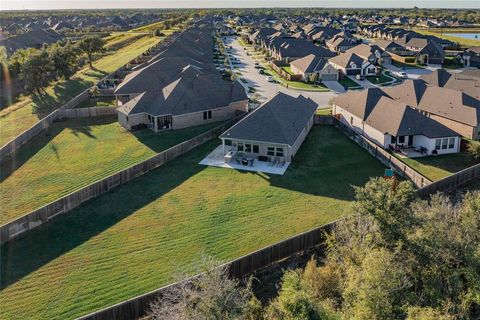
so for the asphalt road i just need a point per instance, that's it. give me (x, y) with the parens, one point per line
(265, 89)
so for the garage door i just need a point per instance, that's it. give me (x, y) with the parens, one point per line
(329, 77)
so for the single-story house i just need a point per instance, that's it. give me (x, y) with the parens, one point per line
(394, 125)
(470, 57)
(312, 65)
(274, 131)
(349, 63)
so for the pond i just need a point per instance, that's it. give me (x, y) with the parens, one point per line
(471, 36)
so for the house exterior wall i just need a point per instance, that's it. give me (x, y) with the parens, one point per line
(296, 145)
(460, 128)
(196, 118)
(384, 139)
(263, 148)
(131, 120)
(295, 70)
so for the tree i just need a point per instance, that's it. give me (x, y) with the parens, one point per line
(36, 70)
(64, 59)
(474, 149)
(91, 45)
(211, 295)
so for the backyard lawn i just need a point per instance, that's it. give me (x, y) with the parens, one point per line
(22, 115)
(406, 66)
(73, 154)
(136, 238)
(438, 167)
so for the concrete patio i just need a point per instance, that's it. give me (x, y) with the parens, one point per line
(216, 159)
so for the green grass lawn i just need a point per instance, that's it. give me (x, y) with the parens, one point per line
(294, 84)
(325, 111)
(405, 66)
(348, 83)
(462, 41)
(135, 238)
(438, 167)
(22, 115)
(102, 101)
(73, 154)
(288, 70)
(378, 79)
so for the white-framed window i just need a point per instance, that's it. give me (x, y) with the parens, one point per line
(451, 143)
(270, 151)
(255, 148)
(444, 143)
(240, 147)
(248, 147)
(279, 152)
(207, 115)
(438, 143)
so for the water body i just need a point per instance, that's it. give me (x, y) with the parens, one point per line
(470, 36)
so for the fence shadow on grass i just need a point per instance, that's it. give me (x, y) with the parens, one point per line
(24, 255)
(31, 148)
(45, 103)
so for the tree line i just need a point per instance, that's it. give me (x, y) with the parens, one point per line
(395, 257)
(36, 68)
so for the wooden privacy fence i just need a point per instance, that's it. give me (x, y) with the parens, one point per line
(71, 201)
(137, 307)
(87, 112)
(41, 125)
(14, 144)
(378, 152)
(451, 182)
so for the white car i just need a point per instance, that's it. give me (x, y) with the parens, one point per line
(269, 78)
(401, 74)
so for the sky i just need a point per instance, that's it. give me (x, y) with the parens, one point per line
(101, 4)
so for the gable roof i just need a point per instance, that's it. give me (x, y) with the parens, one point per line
(467, 81)
(310, 63)
(279, 120)
(398, 119)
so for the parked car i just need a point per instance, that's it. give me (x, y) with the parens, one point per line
(269, 78)
(257, 65)
(360, 77)
(261, 71)
(401, 74)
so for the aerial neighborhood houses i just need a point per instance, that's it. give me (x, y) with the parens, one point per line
(35, 31)
(179, 87)
(419, 117)
(408, 46)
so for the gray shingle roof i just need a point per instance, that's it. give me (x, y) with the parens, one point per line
(310, 63)
(279, 120)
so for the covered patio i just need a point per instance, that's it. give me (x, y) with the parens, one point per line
(217, 159)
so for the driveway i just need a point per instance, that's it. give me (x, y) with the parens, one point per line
(413, 73)
(334, 86)
(364, 83)
(264, 89)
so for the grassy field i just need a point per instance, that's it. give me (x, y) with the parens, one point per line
(135, 238)
(22, 115)
(462, 41)
(73, 154)
(438, 167)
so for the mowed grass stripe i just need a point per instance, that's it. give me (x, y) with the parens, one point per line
(73, 154)
(135, 238)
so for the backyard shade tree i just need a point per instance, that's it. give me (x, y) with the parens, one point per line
(211, 295)
(395, 258)
(91, 45)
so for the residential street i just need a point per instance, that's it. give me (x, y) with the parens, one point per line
(258, 81)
